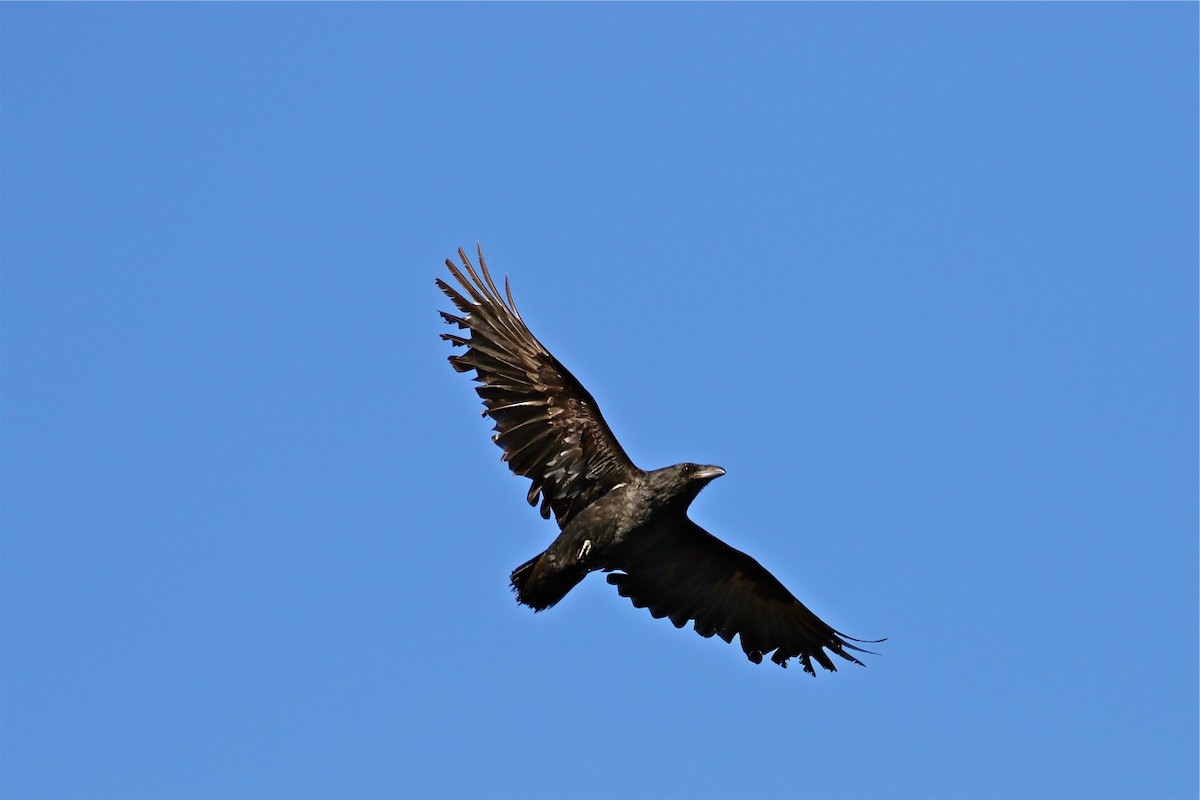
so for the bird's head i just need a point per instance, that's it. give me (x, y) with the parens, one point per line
(701, 473)
(682, 482)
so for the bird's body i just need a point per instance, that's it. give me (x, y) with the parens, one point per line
(630, 517)
(614, 516)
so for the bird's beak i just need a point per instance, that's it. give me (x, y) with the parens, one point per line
(708, 473)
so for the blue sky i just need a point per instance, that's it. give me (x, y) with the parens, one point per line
(921, 277)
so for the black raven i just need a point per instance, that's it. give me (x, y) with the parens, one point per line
(613, 516)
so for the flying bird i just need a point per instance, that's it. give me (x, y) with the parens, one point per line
(613, 516)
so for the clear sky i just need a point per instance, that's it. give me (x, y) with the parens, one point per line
(921, 277)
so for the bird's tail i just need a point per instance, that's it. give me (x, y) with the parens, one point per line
(540, 584)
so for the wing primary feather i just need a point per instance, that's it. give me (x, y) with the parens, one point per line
(511, 303)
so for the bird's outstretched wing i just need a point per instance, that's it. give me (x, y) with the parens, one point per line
(547, 424)
(687, 574)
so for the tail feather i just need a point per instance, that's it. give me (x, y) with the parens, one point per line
(520, 576)
(539, 584)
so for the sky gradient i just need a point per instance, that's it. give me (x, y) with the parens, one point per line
(921, 277)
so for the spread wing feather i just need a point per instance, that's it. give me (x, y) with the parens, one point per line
(547, 424)
(686, 573)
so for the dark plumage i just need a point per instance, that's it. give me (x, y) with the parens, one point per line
(613, 516)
